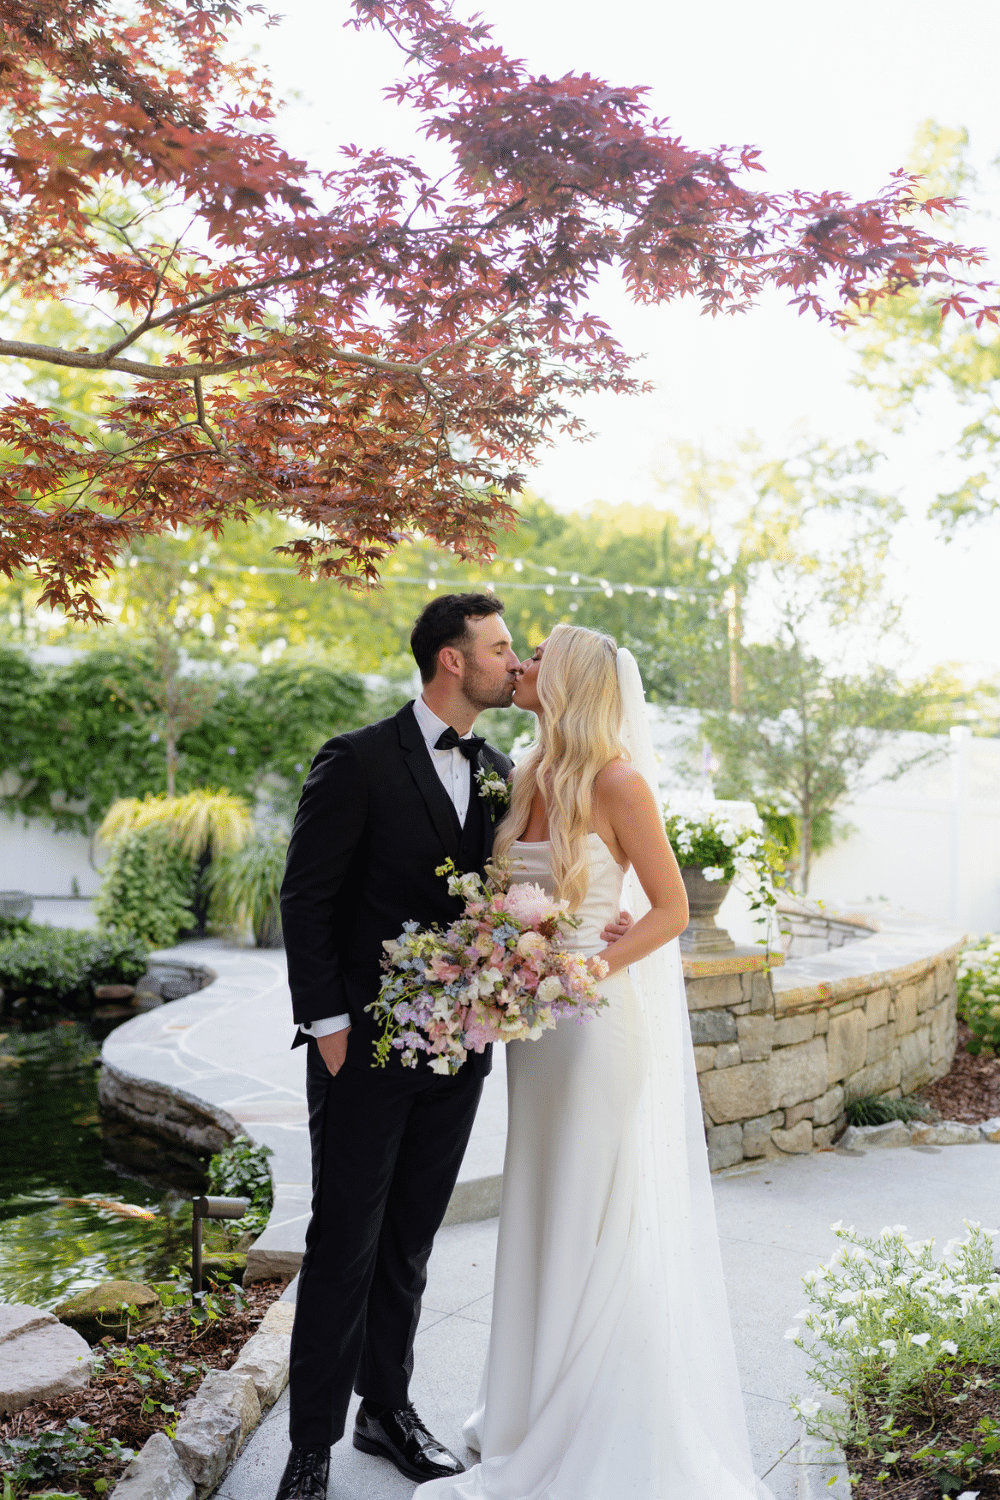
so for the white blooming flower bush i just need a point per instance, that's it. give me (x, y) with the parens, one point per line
(884, 1316)
(979, 994)
(725, 850)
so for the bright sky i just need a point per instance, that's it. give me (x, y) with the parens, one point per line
(832, 96)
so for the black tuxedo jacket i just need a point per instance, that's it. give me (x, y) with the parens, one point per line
(373, 824)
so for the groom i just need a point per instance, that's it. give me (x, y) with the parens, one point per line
(381, 808)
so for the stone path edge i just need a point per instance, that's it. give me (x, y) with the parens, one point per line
(219, 1419)
(823, 1470)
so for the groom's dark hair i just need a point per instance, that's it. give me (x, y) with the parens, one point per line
(445, 622)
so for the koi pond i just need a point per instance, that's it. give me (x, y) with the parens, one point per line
(69, 1218)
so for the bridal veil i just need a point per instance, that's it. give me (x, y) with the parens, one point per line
(697, 1404)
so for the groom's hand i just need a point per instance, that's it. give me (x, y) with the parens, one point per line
(333, 1049)
(615, 930)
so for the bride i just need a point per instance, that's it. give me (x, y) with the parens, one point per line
(610, 1373)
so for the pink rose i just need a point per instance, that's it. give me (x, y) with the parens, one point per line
(530, 904)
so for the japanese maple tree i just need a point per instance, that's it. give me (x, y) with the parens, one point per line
(354, 345)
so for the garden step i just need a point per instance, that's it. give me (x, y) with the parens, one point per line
(39, 1358)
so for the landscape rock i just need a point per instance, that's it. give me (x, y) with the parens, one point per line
(795, 1142)
(265, 1359)
(728, 1055)
(217, 1421)
(757, 1134)
(39, 1358)
(875, 1137)
(828, 1106)
(280, 1317)
(847, 1043)
(713, 1026)
(100, 1311)
(990, 1129)
(946, 1133)
(725, 1146)
(737, 1093)
(756, 1035)
(156, 1473)
(799, 1073)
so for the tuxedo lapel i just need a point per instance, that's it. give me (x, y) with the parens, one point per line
(418, 762)
(479, 805)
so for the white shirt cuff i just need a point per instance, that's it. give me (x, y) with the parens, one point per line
(326, 1027)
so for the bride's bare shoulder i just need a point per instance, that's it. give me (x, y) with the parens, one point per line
(619, 782)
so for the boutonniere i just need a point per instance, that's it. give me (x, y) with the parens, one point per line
(494, 790)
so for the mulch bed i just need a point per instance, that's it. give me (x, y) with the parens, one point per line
(934, 1420)
(112, 1405)
(971, 1091)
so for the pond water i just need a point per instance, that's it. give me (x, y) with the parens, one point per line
(51, 1246)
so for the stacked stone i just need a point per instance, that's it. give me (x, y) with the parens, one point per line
(778, 1059)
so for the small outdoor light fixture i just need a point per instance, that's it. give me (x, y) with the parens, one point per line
(210, 1208)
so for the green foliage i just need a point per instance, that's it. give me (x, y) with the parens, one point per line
(886, 1319)
(953, 1467)
(57, 967)
(72, 1452)
(724, 850)
(15, 927)
(75, 742)
(244, 887)
(908, 350)
(876, 1109)
(240, 1170)
(147, 889)
(979, 995)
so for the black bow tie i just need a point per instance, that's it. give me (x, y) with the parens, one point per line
(452, 740)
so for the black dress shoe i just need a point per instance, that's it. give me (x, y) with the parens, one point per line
(401, 1437)
(306, 1476)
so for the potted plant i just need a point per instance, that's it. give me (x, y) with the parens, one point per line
(713, 850)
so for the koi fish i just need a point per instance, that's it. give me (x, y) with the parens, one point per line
(127, 1210)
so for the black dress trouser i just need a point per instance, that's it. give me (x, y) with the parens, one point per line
(386, 1149)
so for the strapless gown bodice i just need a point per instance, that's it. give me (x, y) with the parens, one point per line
(530, 865)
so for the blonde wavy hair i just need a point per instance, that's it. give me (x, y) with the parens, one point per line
(579, 732)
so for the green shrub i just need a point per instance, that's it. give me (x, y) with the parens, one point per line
(12, 927)
(979, 995)
(59, 966)
(240, 1171)
(244, 888)
(147, 889)
(876, 1109)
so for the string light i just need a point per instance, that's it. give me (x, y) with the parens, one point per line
(575, 583)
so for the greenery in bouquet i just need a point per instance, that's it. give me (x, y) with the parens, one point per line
(497, 974)
(979, 995)
(725, 850)
(888, 1325)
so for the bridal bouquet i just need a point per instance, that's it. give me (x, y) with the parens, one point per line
(496, 974)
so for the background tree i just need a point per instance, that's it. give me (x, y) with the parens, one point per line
(907, 352)
(365, 351)
(806, 736)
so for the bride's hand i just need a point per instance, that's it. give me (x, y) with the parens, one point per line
(616, 930)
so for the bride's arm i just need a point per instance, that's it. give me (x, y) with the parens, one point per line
(624, 802)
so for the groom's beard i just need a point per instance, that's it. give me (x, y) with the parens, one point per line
(483, 692)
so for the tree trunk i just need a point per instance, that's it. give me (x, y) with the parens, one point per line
(805, 853)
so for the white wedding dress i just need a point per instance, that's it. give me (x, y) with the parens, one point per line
(610, 1373)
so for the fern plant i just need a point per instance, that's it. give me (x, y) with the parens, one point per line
(244, 886)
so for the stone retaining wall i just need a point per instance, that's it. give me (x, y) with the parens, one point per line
(780, 1055)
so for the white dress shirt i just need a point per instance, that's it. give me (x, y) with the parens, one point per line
(455, 774)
